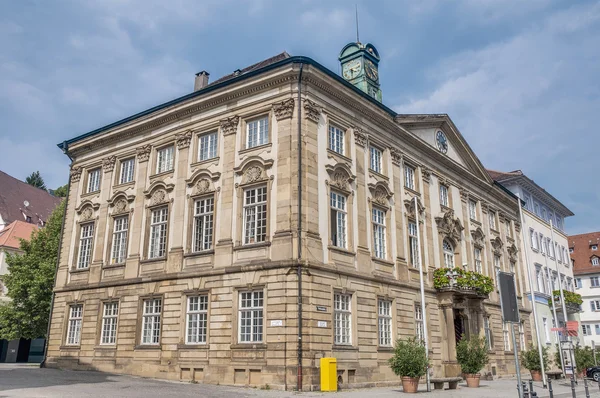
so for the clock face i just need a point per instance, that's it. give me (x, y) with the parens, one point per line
(441, 141)
(371, 70)
(352, 69)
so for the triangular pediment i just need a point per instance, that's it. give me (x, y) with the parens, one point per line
(438, 129)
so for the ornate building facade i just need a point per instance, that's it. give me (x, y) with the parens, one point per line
(205, 238)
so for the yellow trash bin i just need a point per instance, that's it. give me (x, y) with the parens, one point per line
(328, 374)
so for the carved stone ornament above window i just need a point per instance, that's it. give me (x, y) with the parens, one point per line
(464, 194)
(253, 170)
(340, 177)
(120, 202)
(158, 193)
(284, 109)
(229, 125)
(478, 237)
(396, 156)
(86, 210)
(183, 139)
(501, 217)
(360, 136)
(485, 206)
(426, 174)
(108, 164)
(159, 196)
(409, 204)
(497, 245)
(143, 153)
(311, 111)
(444, 181)
(381, 194)
(450, 226)
(202, 182)
(512, 252)
(76, 173)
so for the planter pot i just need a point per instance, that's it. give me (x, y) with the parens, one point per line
(536, 375)
(410, 384)
(472, 380)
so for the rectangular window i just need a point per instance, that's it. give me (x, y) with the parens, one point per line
(595, 304)
(541, 286)
(109, 323)
(477, 255)
(251, 317)
(546, 330)
(255, 215)
(413, 243)
(197, 319)
(444, 195)
(257, 132)
(158, 232)
(594, 281)
(126, 173)
(597, 327)
(488, 332)
(151, 321)
(578, 283)
(85, 245)
(342, 318)
(375, 157)
(118, 252)
(595, 261)
(207, 146)
(385, 323)
(550, 248)
(419, 327)
(379, 232)
(522, 337)
(472, 210)
(496, 262)
(336, 139)
(492, 219)
(93, 184)
(534, 240)
(338, 219)
(506, 336)
(409, 177)
(164, 159)
(587, 330)
(75, 319)
(542, 244)
(203, 224)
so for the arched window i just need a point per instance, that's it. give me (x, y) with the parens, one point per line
(448, 254)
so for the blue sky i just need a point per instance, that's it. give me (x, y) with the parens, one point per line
(521, 80)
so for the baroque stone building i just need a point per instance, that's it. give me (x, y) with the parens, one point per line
(206, 237)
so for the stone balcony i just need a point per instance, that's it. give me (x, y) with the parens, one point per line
(461, 282)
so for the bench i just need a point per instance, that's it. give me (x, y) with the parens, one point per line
(554, 374)
(438, 383)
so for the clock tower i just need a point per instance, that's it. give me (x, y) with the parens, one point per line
(360, 66)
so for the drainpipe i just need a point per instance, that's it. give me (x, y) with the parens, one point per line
(60, 242)
(299, 264)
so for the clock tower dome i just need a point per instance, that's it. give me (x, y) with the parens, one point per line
(360, 66)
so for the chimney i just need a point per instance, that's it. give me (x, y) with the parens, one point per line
(201, 80)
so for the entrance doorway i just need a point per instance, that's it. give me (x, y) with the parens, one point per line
(459, 325)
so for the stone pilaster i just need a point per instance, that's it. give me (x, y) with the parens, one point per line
(136, 251)
(362, 217)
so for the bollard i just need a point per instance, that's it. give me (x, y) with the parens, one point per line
(531, 387)
(550, 388)
(525, 390)
(587, 392)
(573, 387)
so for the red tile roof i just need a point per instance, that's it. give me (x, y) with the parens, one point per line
(258, 65)
(583, 253)
(13, 194)
(501, 175)
(11, 235)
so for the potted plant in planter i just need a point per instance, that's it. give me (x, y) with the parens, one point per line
(472, 355)
(530, 359)
(410, 362)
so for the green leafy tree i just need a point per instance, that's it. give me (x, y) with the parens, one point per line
(472, 354)
(410, 358)
(61, 191)
(36, 180)
(530, 359)
(584, 358)
(30, 281)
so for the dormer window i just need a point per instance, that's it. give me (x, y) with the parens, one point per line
(594, 247)
(595, 261)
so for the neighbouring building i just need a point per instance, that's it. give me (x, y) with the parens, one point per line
(585, 258)
(10, 241)
(548, 259)
(200, 234)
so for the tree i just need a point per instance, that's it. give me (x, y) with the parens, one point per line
(61, 192)
(36, 180)
(30, 281)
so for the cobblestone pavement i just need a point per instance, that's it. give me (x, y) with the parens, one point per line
(29, 381)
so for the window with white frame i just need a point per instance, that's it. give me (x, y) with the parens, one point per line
(74, 329)
(93, 183)
(338, 219)
(207, 146)
(126, 172)
(375, 159)
(251, 317)
(557, 252)
(477, 256)
(496, 262)
(379, 232)
(595, 305)
(118, 252)
(257, 132)
(492, 219)
(255, 215)
(522, 336)
(597, 327)
(472, 210)
(158, 232)
(413, 244)
(151, 321)
(385, 322)
(594, 282)
(565, 256)
(448, 254)
(550, 248)
(164, 159)
(419, 327)
(444, 195)
(546, 329)
(506, 336)
(409, 177)
(595, 261)
(541, 286)
(594, 247)
(578, 284)
(587, 330)
(342, 318)
(488, 332)
(534, 239)
(571, 250)
(336, 139)
(202, 238)
(109, 323)
(86, 238)
(570, 284)
(197, 319)
(542, 244)
(554, 280)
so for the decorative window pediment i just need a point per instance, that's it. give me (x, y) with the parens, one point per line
(158, 193)
(340, 177)
(512, 252)
(497, 245)
(120, 202)
(253, 169)
(203, 182)
(381, 194)
(478, 237)
(450, 226)
(86, 210)
(410, 207)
